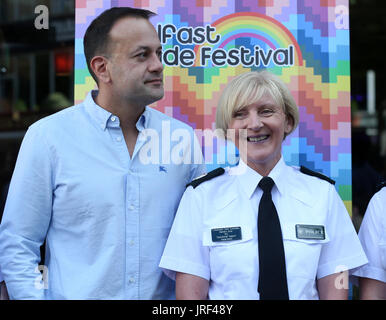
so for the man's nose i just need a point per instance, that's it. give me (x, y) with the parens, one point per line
(155, 64)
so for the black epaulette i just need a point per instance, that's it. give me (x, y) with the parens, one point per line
(316, 174)
(210, 175)
(380, 186)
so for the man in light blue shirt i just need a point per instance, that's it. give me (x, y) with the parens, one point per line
(100, 181)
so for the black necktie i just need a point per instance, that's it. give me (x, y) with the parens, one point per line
(272, 274)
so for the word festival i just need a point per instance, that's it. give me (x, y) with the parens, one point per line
(186, 57)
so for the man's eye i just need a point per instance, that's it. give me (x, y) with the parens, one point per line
(141, 55)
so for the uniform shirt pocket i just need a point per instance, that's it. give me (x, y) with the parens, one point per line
(302, 255)
(233, 259)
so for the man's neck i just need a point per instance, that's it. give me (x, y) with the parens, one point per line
(127, 113)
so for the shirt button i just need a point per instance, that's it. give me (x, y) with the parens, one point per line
(131, 243)
(119, 139)
(131, 280)
(131, 207)
(113, 118)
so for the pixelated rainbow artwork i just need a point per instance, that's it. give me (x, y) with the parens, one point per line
(208, 42)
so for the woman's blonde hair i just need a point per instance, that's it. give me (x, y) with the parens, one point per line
(249, 88)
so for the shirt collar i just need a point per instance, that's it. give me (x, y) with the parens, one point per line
(102, 116)
(249, 178)
(144, 119)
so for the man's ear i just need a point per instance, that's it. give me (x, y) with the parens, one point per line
(98, 65)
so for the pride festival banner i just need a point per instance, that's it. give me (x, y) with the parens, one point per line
(208, 42)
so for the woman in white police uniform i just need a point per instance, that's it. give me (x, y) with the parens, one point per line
(372, 234)
(224, 243)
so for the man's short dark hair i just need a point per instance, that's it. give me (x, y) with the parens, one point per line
(96, 38)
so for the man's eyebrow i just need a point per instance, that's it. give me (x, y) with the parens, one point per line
(145, 48)
(140, 48)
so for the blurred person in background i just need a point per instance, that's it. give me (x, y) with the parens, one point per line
(372, 234)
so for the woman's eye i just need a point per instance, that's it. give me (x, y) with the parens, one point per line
(266, 112)
(239, 114)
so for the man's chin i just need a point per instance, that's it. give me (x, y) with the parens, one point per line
(158, 95)
(154, 97)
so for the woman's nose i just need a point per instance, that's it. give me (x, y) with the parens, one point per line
(254, 121)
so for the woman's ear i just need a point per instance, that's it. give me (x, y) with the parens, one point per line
(288, 125)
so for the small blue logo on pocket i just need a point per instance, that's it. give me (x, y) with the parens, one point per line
(162, 169)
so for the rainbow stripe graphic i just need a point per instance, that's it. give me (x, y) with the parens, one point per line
(319, 77)
(254, 25)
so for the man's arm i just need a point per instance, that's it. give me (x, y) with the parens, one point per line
(26, 217)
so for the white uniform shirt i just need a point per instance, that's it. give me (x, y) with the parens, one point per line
(232, 200)
(372, 235)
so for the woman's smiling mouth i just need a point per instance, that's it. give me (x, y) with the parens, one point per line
(257, 138)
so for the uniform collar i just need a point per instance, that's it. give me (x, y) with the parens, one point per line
(278, 175)
(249, 178)
(103, 118)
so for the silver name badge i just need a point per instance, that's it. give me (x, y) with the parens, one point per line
(308, 231)
(226, 234)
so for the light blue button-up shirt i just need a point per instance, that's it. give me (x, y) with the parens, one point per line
(105, 216)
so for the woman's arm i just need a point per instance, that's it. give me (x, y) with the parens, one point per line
(333, 287)
(190, 287)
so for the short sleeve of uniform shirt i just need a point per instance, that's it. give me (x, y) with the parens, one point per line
(187, 254)
(343, 251)
(372, 235)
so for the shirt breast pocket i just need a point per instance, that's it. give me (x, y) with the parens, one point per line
(302, 254)
(234, 258)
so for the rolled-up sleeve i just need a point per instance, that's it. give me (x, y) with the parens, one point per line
(26, 217)
(184, 250)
